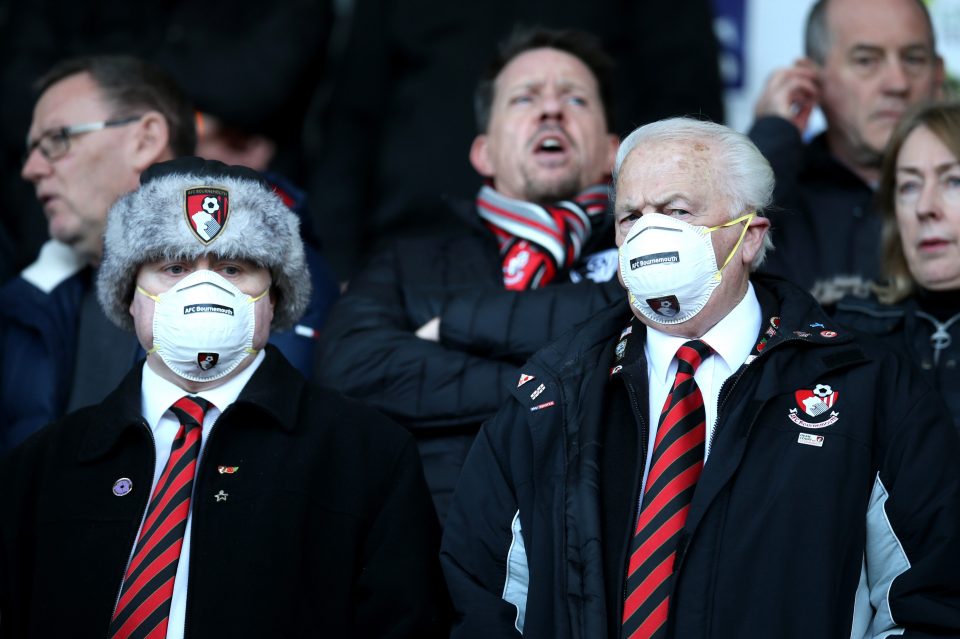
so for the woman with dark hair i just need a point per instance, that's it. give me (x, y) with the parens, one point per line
(917, 308)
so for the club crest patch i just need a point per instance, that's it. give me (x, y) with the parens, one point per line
(206, 208)
(815, 403)
(599, 267)
(206, 361)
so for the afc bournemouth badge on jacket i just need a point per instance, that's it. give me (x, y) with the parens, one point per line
(815, 403)
(206, 208)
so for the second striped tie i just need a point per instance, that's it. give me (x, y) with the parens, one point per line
(144, 606)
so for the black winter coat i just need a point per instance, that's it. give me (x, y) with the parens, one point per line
(443, 390)
(847, 526)
(327, 529)
(823, 220)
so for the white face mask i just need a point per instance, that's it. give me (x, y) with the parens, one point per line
(669, 266)
(203, 326)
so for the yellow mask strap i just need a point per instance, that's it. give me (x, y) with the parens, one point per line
(155, 298)
(749, 218)
(253, 300)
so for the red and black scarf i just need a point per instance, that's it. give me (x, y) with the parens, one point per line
(537, 242)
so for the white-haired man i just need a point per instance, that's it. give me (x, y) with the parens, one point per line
(214, 490)
(716, 460)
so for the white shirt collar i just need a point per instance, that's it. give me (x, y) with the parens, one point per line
(158, 394)
(732, 338)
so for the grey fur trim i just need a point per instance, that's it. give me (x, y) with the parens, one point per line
(150, 224)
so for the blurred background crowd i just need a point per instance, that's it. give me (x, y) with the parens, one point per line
(366, 104)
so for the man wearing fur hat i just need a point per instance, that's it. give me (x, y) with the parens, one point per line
(214, 489)
(98, 122)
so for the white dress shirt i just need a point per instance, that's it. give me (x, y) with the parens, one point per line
(157, 396)
(732, 340)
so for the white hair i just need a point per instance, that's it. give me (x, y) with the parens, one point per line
(747, 178)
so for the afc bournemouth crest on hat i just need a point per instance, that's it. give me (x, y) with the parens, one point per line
(817, 404)
(206, 208)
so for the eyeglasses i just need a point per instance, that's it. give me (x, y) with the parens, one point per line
(55, 143)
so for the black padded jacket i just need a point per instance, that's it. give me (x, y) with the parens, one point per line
(442, 391)
(840, 523)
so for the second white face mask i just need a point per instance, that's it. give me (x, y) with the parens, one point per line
(203, 326)
(669, 267)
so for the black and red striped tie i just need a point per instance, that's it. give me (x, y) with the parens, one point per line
(144, 605)
(674, 470)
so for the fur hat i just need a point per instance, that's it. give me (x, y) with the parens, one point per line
(189, 207)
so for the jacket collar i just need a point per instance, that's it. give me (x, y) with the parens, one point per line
(793, 314)
(275, 389)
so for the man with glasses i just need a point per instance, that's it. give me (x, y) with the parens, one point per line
(69, 220)
(97, 124)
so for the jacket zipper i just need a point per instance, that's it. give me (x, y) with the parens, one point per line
(640, 468)
(726, 391)
(941, 329)
(136, 533)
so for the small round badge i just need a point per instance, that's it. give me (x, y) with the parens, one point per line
(828, 333)
(122, 486)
